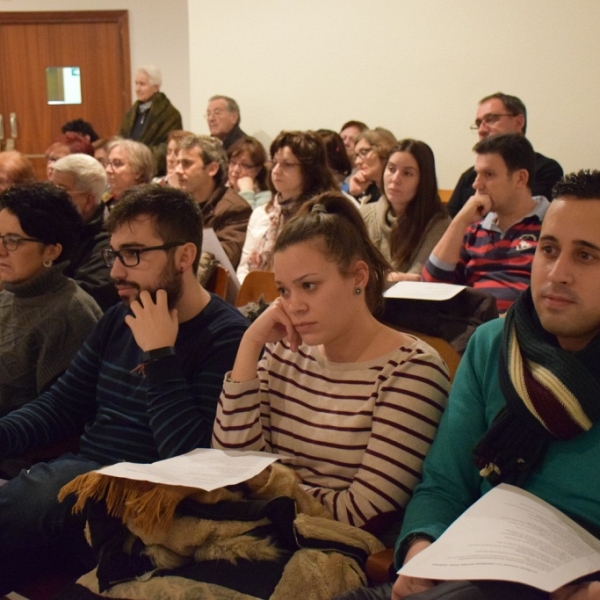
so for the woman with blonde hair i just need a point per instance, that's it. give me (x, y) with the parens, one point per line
(371, 149)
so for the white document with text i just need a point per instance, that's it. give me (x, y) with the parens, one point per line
(203, 468)
(510, 535)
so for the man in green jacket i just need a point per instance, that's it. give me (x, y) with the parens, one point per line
(152, 116)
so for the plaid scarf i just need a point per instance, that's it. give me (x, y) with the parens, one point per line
(551, 394)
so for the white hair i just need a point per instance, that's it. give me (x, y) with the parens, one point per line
(154, 74)
(90, 176)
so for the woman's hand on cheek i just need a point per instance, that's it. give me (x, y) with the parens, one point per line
(273, 325)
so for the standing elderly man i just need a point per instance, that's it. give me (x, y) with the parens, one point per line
(501, 113)
(223, 118)
(152, 116)
(202, 172)
(84, 178)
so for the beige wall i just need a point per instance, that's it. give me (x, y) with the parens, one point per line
(417, 67)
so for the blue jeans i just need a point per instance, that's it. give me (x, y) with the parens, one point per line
(31, 517)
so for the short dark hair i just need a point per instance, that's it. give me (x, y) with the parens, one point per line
(512, 104)
(82, 127)
(515, 149)
(45, 212)
(358, 124)
(175, 215)
(582, 185)
(342, 231)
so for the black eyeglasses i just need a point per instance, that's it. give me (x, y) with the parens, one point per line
(130, 257)
(11, 241)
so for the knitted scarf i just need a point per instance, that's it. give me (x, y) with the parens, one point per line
(261, 258)
(551, 394)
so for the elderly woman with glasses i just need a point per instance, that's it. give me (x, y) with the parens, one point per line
(44, 315)
(128, 163)
(372, 149)
(299, 171)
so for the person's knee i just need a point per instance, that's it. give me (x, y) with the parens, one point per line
(30, 513)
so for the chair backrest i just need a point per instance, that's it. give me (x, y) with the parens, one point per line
(255, 285)
(219, 281)
(448, 353)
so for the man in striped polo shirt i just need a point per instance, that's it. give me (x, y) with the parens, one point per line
(143, 387)
(490, 243)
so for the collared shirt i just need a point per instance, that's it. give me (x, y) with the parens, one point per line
(494, 260)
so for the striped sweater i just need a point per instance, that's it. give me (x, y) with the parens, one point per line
(495, 261)
(128, 416)
(356, 433)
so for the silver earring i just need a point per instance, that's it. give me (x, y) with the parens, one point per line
(357, 291)
(47, 263)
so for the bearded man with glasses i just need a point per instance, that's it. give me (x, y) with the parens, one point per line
(143, 387)
(502, 113)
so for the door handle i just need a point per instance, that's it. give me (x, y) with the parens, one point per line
(13, 125)
(1, 128)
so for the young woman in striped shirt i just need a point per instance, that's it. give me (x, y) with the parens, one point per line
(350, 403)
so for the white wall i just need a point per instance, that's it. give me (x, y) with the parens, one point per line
(158, 34)
(417, 67)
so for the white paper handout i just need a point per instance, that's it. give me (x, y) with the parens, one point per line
(510, 535)
(203, 468)
(211, 243)
(423, 290)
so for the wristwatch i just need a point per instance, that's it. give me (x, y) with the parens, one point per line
(157, 353)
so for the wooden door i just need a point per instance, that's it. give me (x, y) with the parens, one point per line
(95, 41)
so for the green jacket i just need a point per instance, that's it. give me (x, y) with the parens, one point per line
(567, 478)
(163, 118)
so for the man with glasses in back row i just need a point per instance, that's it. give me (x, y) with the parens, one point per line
(501, 113)
(223, 119)
(143, 387)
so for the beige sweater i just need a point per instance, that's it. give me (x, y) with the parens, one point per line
(379, 219)
(356, 433)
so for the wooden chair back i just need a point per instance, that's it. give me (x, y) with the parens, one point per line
(219, 281)
(449, 355)
(255, 285)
